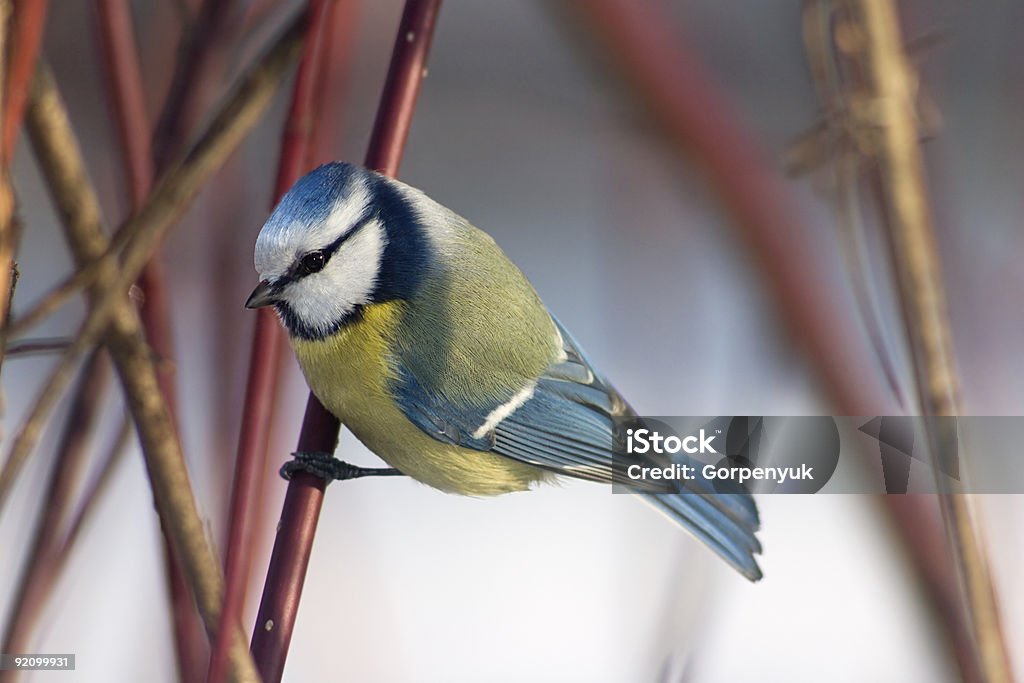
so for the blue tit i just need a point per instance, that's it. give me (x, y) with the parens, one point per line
(418, 333)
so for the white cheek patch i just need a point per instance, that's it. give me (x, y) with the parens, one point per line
(322, 299)
(281, 242)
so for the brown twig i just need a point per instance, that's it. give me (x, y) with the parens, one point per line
(30, 347)
(264, 362)
(41, 567)
(50, 302)
(127, 94)
(893, 86)
(60, 160)
(141, 233)
(294, 541)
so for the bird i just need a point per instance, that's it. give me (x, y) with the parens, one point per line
(415, 330)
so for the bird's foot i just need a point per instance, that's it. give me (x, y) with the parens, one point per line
(326, 466)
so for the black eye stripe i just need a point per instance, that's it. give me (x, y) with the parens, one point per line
(297, 271)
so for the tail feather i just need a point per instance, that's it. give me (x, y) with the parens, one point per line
(703, 515)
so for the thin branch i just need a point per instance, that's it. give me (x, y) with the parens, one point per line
(62, 166)
(293, 544)
(923, 303)
(30, 347)
(142, 232)
(847, 136)
(97, 486)
(264, 364)
(51, 301)
(40, 569)
(26, 36)
(127, 94)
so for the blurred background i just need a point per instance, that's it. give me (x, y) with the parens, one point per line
(526, 126)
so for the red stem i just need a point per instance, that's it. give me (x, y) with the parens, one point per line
(28, 21)
(293, 544)
(261, 389)
(127, 92)
(402, 87)
(332, 84)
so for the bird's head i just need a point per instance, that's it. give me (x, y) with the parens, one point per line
(342, 238)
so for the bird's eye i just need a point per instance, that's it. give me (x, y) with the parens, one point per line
(313, 262)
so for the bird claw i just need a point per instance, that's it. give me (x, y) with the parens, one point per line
(327, 467)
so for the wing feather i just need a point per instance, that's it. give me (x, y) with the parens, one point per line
(568, 426)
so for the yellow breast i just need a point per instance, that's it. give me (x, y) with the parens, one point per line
(349, 372)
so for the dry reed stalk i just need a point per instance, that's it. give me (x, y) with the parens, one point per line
(893, 92)
(845, 136)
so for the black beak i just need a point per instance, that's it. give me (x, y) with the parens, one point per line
(263, 295)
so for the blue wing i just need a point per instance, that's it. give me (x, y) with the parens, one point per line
(566, 423)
